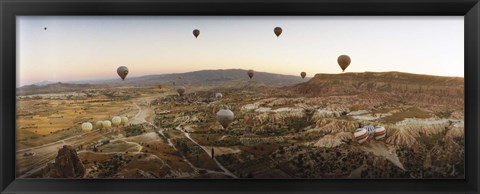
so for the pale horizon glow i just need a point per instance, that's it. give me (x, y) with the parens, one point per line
(92, 47)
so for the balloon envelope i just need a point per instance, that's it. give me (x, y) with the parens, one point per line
(219, 95)
(344, 61)
(122, 71)
(380, 132)
(87, 126)
(116, 120)
(196, 32)
(180, 90)
(277, 31)
(361, 135)
(124, 120)
(303, 74)
(106, 124)
(250, 73)
(98, 124)
(225, 117)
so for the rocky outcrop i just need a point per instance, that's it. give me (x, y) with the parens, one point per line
(67, 165)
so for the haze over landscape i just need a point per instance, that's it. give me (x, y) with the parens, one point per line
(231, 103)
(85, 48)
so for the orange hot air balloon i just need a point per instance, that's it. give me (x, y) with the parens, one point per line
(250, 73)
(303, 74)
(277, 31)
(196, 32)
(344, 62)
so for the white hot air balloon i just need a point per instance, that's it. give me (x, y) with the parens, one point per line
(361, 135)
(106, 124)
(116, 120)
(124, 120)
(87, 127)
(98, 124)
(225, 117)
(380, 133)
(219, 95)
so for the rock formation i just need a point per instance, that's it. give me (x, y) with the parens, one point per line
(67, 165)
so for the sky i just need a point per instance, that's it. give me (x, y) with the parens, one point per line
(92, 47)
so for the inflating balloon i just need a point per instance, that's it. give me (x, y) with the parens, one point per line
(116, 120)
(106, 124)
(124, 120)
(87, 127)
(98, 124)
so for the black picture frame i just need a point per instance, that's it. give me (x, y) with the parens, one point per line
(9, 9)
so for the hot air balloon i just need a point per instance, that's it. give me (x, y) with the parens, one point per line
(98, 124)
(277, 31)
(180, 90)
(45, 28)
(116, 120)
(87, 127)
(344, 62)
(361, 135)
(124, 120)
(106, 124)
(380, 133)
(371, 131)
(196, 32)
(122, 71)
(250, 73)
(303, 74)
(225, 117)
(219, 95)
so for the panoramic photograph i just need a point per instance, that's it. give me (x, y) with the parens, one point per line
(249, 97)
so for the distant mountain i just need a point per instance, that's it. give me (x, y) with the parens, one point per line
(227, 78)
(203, 77)
(43, 83)
(53, 88)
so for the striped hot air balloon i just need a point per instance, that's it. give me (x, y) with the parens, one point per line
(380, 133)
(371, 131)
(361, 135)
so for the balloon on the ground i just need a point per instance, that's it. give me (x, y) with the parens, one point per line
(344, 62)
(87, 126)
(124, 120)
(122, 71)
(116, 120)
(98, 124)
(361, 135)
(380, 133)
(106, 124)
(219, 95)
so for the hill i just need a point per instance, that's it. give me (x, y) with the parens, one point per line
(225, 78)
